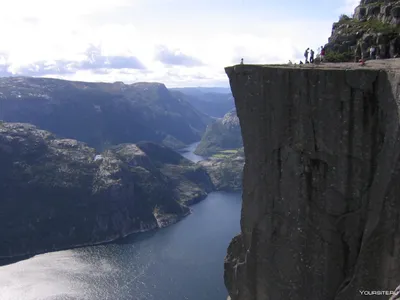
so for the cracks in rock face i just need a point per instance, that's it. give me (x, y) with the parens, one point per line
(279, 163)
(371, 107)
(371, 122)
(314, 135)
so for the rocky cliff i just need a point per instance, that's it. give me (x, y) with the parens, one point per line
(222, 134)
(320, 215)
(59, 193)
(374, 23)
(226, 170)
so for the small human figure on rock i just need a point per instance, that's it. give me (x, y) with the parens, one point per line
(357, 53)
(372, 52)
(311, 56)
(241, 61)
(322, 54)
(301, 63)
(377, 53)
(306, 55)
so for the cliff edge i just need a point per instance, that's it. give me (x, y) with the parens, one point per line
(320, 215)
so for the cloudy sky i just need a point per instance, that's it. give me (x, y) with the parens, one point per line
(177, 42)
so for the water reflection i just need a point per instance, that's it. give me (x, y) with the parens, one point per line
(183, 261)
(188, 153)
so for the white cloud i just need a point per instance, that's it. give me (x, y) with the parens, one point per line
(348, 7)
(52, 38)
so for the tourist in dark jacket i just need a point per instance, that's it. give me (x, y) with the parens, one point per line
(311, 56)
(306, 55)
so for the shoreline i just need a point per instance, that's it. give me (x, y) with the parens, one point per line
(19, 257)
(159, 223)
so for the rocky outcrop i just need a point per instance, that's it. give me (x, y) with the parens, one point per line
(387, 11)
(59, 193)
(191, 182)
(320, 215)
(222, 134)
(374, 24)
(102, 114)
(226, 170)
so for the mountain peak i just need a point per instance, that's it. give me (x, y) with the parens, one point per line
(156, 85)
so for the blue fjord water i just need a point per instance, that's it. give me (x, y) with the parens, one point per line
(183, 261)
(188, 153)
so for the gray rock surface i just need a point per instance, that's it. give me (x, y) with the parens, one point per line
(59, 193)
(225, 170)
(320, 215)
(375, 23)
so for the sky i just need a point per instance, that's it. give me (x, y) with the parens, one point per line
(176, 42)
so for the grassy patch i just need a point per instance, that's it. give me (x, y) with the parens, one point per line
(339, 57)
(373, 25)
(225, 153)
(220, 155)
(344, 18)
(231, 151)
(378, 26)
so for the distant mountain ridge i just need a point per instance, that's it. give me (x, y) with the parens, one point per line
(102, 114)
(196, 91)
(215, 102)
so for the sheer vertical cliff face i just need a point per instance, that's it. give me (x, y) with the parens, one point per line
(321, 189)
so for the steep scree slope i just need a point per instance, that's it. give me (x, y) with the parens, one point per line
(320, 215)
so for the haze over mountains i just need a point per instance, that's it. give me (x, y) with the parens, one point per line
(214, 102)
(102, 114)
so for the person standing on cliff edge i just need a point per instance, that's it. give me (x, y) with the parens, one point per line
(322, 53)
(306, 55)
(372, 52)
(311, 56)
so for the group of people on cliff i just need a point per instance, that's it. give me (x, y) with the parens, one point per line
(374, 53)
(320, 56)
